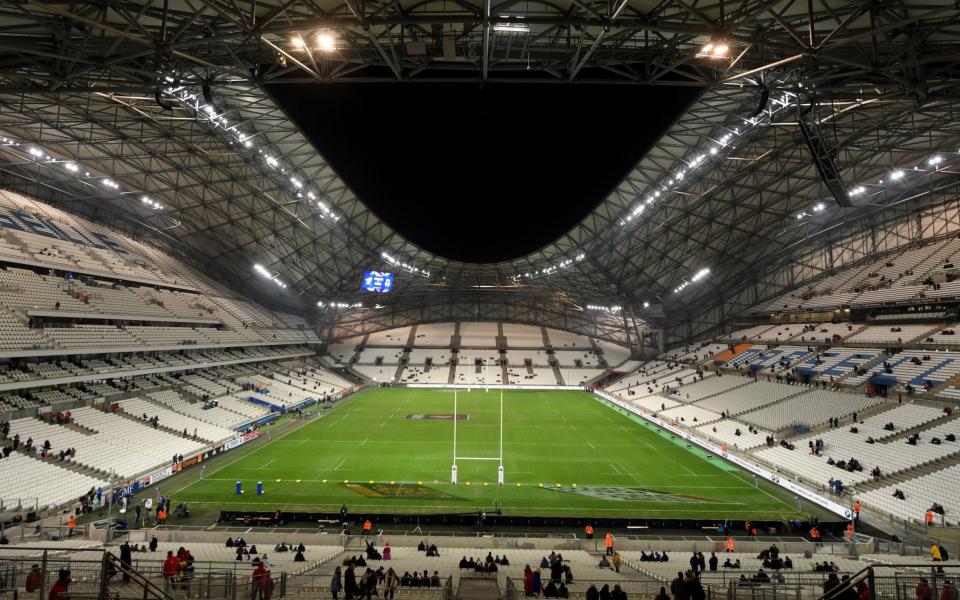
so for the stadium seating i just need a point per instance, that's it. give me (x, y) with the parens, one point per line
(836, 363)
(391, 337)
(478, 334)
(707, 387)
(748, 397)
(725, 432)
(885, 334)
(531, 376)
(33, 483)
(920, 493)
(890, 456)
(522, 336)
(584, 359)
(809, 409)
(579, 376)
(916, 368)
(561, 340)
(434, 334)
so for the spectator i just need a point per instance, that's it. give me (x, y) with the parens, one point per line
(335, 583)
(662, 595)
(60, 589)
(34, 579)
(618, 593)
(923, 590)
(170, 567)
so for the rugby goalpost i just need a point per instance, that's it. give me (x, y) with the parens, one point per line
(499, 459)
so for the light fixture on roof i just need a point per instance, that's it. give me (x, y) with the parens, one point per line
(935, 160)
(507, 27)
(326, 42)
(297, 42)
(714, 49)
(898, 174)
(646, 305)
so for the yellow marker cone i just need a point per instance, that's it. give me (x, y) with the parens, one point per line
(279, 481)
(323, 481)
(540, 484)
(298, 481)
(371, 481)
(518, 485)
(393, 483)
(468, 483)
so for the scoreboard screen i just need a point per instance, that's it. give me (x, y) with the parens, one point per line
(377, 281)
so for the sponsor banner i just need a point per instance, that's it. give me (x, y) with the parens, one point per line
(189, 462)
(158, 475)
(493, 387)
(241, 440)
(753, 468)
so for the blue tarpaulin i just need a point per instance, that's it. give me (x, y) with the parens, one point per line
(884, 380)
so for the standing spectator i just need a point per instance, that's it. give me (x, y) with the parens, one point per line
(535, 583)
(34, 579)
(261, 582)
(71, 523)
(663, 595)
(349, 583)
(527, 581)
(60, 589)
(692, 589)
(617, 561)
(126, 559)
(923, 590)
(618, 593)
(390, 583)
(170, 567)
(335, 583)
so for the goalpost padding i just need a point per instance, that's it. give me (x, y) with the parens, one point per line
(499, 459)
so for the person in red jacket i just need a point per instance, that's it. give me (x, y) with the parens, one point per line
(170, 567)
(34, 579)
(261, 582)
(59, 590)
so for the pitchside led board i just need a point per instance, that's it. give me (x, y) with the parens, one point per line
(377, 281)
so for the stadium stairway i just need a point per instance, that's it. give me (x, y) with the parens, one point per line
(556, 372)
(478, 588)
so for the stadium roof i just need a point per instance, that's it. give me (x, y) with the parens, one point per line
(168, 100)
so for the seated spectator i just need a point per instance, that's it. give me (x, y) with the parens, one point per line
(604, 563)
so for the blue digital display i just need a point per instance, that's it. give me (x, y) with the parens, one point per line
(377, 281)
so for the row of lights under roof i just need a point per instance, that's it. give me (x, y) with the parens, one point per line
(716, 147)
(396, 262)
(323, 304)
(552, 268)
(934, 163)
(207, 112)
(40, 156)
(607, 309)
(268, 275)
(696, 277)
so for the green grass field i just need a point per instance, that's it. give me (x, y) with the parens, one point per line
(565, 454)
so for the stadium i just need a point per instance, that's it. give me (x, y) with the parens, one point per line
(650, 299)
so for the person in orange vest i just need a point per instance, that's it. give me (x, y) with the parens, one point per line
(848, 534)
(588, 530)
(729, 543)
(856, 509)
(929, 518)
(72, 522)
(608, 540)
(161, 517)
(367, 527)
(815, 535)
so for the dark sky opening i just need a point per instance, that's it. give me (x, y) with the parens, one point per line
(482, 174)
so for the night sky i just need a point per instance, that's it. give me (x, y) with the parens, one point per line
(482, 174)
